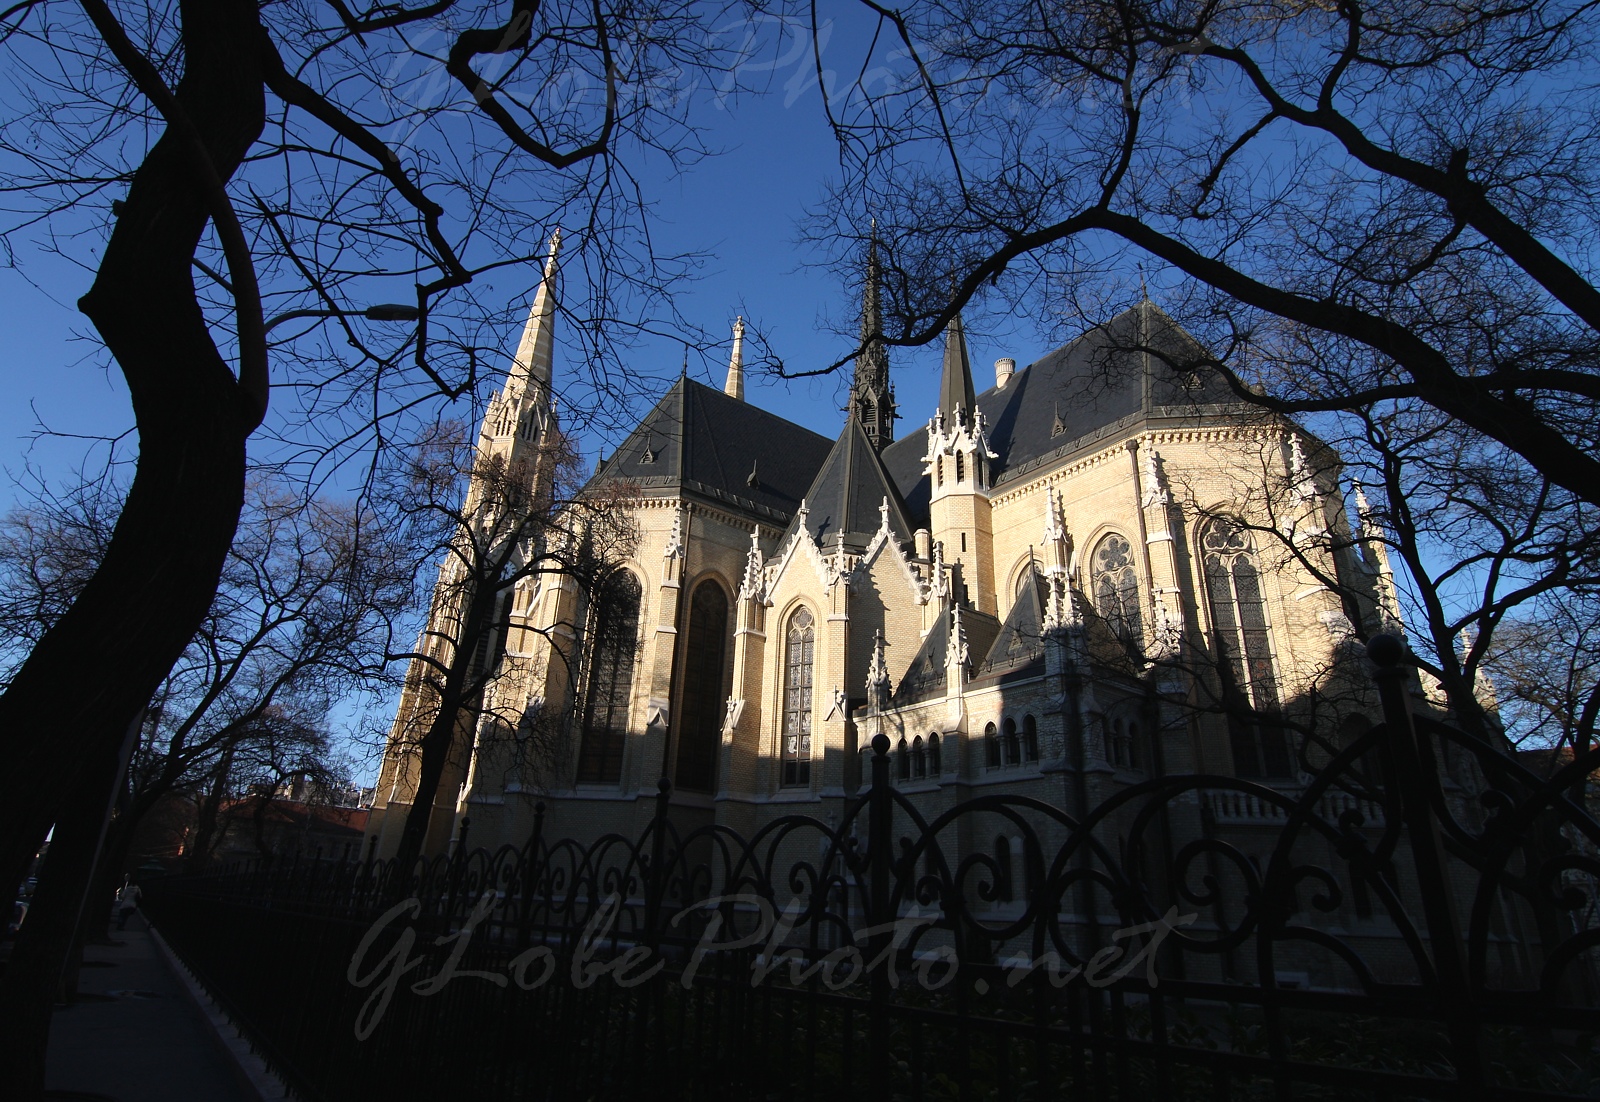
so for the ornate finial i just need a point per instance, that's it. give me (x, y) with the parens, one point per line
(883, 513)
(750, 587)
(1055, 523)
(878, 674)
(674, 549)
(554, 252)
(956, 653)
(1363, 507)
(1155, 483)
(1167, 629)
(937, 585)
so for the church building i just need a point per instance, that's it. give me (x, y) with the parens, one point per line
(1100, 568)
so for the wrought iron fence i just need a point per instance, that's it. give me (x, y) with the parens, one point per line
(1430, 935)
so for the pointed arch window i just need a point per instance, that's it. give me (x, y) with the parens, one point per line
(613, 647)
(1116, 589)
(919, 759)
(703, 691)
(991, 747)
(1030, 738)
(935, 763)
(1243, 647)
(798, 666)
(1008, 738)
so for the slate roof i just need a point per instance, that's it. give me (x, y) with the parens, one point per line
(925, 678)
(1092, 388)
(848, 493)
(704, 441)
(955, 378)
(1020, 642)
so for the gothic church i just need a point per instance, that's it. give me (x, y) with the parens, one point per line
(1097, 569)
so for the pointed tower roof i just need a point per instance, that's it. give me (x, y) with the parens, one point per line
(531, 368)
(734, 387)
(871, 396)
(955, 383)
(848, 495)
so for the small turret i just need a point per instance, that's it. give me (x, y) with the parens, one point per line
(734, 387)
(957, 463)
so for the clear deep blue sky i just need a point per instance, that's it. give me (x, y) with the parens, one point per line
(740, 208)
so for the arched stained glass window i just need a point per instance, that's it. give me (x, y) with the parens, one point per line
(1116, 589)
(1243, 646)
(700, 739)
(798, 663)
(613, 646)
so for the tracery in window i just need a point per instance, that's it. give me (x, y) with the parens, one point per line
(798, 666)
(613, 646)
(1243, 647)
(703, 676)
(1116, 589)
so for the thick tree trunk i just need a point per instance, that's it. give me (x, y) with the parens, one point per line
(438, 741)
(160, 570)
(33, 977)
(58, 727)
(205, 827)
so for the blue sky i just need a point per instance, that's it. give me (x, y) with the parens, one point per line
(740, 208)
(58, 396)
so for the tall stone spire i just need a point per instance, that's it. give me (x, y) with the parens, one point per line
(955, 384)
(531, 370)
(525, 407)
(734, 387)
(871, 396)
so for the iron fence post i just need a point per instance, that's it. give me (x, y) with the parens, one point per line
(1417, 782)
(530, 875)
(654, 885)
(880, 869)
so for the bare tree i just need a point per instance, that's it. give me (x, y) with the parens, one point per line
(498, 531)
(257, 160)
(301, 616)
(295, 157)
(1403, 190)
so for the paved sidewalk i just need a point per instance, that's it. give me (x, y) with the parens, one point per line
(139, 1036)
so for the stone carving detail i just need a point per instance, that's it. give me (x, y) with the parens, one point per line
(878, 675)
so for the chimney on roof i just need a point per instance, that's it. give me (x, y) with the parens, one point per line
(1004, 368)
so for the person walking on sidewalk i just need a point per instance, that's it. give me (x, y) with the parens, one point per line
(127, 901)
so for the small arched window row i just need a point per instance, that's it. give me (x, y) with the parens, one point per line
(1122, 744)
(1007, 746)
(919, 759)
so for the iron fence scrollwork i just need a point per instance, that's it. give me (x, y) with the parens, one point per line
(1430, 933)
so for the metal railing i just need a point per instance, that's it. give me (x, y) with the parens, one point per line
(1003, 949)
